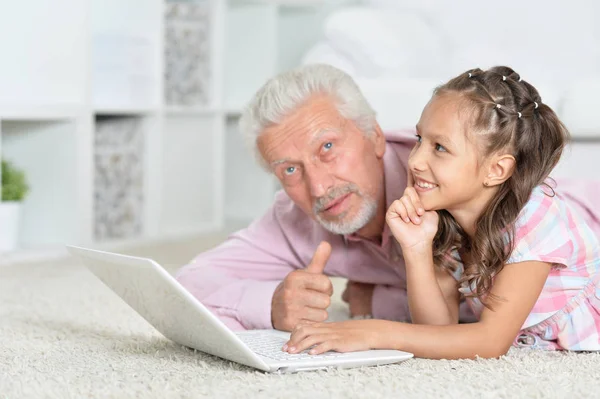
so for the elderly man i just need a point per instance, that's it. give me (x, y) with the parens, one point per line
(313, 129)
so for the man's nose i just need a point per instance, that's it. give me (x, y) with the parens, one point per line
(320, 180)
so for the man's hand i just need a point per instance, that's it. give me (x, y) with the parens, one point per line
(304, 295)
(359, 297)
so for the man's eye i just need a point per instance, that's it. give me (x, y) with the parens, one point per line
(328, 145)
(419, 138)
(290, 170)
(439, 147)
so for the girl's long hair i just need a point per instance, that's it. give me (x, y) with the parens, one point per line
(507, 114)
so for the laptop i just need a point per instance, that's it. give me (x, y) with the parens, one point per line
(153, 293)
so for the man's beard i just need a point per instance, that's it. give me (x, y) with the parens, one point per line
(365, 214)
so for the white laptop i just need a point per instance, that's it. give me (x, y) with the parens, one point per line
(152, 292)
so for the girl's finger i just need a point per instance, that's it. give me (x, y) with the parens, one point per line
(309, 341)
(416, 200)
(298, 334)
(410, 209)
(323, 347)
(399, 209)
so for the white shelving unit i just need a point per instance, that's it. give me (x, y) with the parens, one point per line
(45, 118)
(263, 38)
(170, 80)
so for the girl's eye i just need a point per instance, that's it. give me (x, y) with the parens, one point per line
(439, 147)
(289, 170)
(328, 146)
(418, 138)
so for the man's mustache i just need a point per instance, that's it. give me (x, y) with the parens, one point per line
(333, 194)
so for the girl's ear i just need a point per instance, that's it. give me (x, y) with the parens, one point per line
(500, 170)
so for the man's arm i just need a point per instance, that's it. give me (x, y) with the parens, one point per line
(236, 280)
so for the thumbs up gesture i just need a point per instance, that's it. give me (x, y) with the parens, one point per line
(304, 295)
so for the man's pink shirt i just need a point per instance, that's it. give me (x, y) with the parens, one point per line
(236, 280)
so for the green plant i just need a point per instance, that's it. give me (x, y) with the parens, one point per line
(14, 184)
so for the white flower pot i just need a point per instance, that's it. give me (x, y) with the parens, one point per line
(10, 213)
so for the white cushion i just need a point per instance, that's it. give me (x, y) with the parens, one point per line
(416, 5)
(323, 53)
(398, 102)
(551, 41)
(383, 42)
(579, 111)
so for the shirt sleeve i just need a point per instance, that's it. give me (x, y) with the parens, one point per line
(237, 279)
(542, 231)
(390, 303)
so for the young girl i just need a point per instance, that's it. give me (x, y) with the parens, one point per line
(481, 221)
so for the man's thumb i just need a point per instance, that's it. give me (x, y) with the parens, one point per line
(320, 258)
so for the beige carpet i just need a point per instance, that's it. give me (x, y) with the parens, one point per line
(64, 335)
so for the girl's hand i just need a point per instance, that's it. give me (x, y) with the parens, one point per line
(346, 336)
(412, 226)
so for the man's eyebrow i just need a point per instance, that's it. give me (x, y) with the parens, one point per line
(321, 132)
(279, 162)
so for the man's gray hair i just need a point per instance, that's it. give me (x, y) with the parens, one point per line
(285, 93)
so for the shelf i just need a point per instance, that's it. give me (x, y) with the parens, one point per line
(249, 59)
(44, 49)
(126, 54)
(119, 192)
(190, 165)
(249, 190)
(233, 112)
(127, 124)
(51, 210)
(182, 110)
(189, 78)
(125, 111)
(39, 112)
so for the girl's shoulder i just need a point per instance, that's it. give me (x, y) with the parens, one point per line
(546, 229)
(543, 206)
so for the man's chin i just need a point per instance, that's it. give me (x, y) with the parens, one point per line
(350, 221)
(339, 229)
(344, 226)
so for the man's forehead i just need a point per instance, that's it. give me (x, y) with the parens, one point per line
(304, 144)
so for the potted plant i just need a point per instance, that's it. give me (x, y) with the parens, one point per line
(14, 190)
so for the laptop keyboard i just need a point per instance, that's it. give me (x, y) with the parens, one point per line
(270, 346)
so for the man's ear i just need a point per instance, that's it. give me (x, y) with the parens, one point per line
(378, 141)
(500, 170)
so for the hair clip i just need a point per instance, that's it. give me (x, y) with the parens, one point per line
(519, 115)
(470, 75)
(536, 105)
(503, 78)
(498, 106)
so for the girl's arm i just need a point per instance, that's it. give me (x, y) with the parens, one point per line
(433, 296)
(518, 286)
